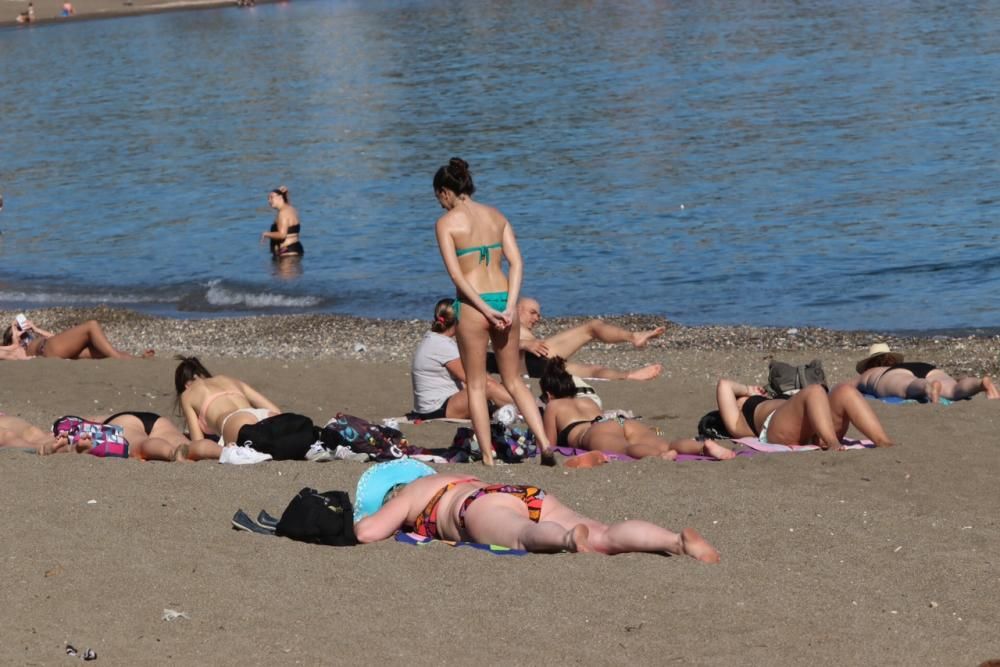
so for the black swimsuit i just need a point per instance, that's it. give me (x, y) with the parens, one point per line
(562, 440)
(148, 419)
(919, 369)
(289, 249)
(748, 409)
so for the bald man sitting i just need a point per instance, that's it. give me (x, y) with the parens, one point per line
(535, 352)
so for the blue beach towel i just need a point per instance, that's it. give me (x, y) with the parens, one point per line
(418, 540)
(896, 400)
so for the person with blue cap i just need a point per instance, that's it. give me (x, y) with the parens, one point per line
(409, 495)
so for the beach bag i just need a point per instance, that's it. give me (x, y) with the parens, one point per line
(784, 379)
(382, 443)
(109, 439)
(287, 436)
(511, 445)
(319, 518)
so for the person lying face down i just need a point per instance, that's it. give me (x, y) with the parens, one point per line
(409, 495)
(809, 417)
(572, 421)
(883, 373)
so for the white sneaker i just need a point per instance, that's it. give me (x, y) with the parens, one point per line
(318, 453)
(240, 455)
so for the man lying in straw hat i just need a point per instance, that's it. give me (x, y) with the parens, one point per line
(410, 495)
(883, 373)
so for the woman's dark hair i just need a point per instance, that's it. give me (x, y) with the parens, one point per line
(189, 369)
(8, 335)
(454, 176)
(281, 190)
(556, 380)
(444, 315)
(712, 426)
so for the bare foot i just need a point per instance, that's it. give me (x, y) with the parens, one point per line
(640, 338)
(669, 455)
(578, 540)
(149, 354)
(548, 458)
(712, 448)
(645, 373)
(990, 388)
(696, 546)
(84, 443)
(588, 460)
(934, 391)
(885, 443)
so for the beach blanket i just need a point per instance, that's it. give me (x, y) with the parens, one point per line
(418, 540)
(896, 400)
(406, 420)
(770, 448)
(572, 451)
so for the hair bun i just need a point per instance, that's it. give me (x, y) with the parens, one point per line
(458, 167)
(283, 189)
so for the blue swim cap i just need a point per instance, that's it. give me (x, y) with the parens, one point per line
(379, 480)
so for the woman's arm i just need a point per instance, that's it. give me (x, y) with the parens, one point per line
(726, 393)
(446, 244)
(456, 369)
(281, 234)
(191, 417)
(39, 331)
(257, 399)
(13, 352)
(516, 267)
(383, 523)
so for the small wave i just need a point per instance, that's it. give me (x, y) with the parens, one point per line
(220, 297)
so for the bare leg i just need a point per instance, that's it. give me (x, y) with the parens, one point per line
(505, 347)
(567, 343)
(200, 450)
(503, 520)
(472, 337)
(154, 449)
(605, 373)
(633, 440)
(804, 415)
(848, 407)
(89, 337)
(990, 388)
(966, 387)
(628, 536)
(458, 404)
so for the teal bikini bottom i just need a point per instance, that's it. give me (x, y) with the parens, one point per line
(495, 300)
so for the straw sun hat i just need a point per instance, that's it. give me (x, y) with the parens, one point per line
(878, 350)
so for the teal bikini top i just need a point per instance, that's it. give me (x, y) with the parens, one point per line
(483, 250)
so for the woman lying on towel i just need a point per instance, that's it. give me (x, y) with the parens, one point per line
(409, 495)
(220, 405)
(438, 376)
(883, 373)
(23, 340)
(150, 437)
(579, 422)
(809, 417)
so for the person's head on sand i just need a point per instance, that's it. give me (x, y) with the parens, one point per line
(452, 182)
(879, 354)
(381, 482)
(556, 382)
(444, 317)
(278, 197)
(189, 370)
(529, 312)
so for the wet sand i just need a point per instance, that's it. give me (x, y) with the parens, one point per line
(875, 557)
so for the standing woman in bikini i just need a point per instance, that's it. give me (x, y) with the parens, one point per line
(218, 404)
(284, 233)
(473, 239)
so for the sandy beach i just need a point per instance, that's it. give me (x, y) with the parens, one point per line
(874, 557)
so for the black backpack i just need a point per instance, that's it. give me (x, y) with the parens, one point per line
(784, 379)
(285, 436)
(319, 518)
(711, 426)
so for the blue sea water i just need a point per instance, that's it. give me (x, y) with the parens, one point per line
(765, 162)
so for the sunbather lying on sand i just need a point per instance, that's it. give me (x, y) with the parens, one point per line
(220, 405)
(409, 495)
(811, 416)
(580, 423)
(84, 341)
(883, 373)
(155, 438)
(566, 343)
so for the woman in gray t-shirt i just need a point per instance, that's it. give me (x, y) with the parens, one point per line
(437, 372)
